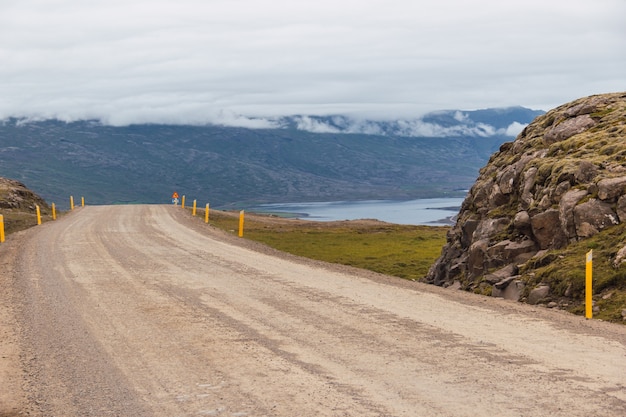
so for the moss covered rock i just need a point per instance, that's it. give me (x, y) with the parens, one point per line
(562, 180)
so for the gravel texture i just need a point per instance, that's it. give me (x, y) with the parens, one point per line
(145, 311)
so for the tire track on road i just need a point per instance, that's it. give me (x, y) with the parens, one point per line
(140, 310)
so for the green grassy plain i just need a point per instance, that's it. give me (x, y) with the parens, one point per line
(399, 250)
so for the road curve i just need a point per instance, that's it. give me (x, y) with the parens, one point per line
(145, 311)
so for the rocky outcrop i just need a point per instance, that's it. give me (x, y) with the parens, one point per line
(562, 180)
(15, 195)
(18, 206)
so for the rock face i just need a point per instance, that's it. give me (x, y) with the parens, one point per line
(563, 179)
(15, 195)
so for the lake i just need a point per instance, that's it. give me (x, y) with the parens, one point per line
(429, 211)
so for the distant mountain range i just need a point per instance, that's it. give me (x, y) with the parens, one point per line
(298, 158)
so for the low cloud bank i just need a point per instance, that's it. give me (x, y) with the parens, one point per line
(434, 125)
(406, 128)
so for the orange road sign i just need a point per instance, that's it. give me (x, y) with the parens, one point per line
(175, 195)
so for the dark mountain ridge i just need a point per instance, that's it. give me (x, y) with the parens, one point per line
(238, 166)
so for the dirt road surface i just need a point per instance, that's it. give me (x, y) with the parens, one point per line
(146, 311)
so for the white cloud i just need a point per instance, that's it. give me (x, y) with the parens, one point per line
(515, 129)
(459, 116)
(198, 60)
(407, 128)
(419, 128)
(316, 126)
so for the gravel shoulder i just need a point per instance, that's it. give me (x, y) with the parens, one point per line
(146, 311)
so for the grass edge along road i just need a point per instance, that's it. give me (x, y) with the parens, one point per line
(405, 251)
(408, 252)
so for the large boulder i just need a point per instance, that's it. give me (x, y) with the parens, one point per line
(593, 216)
(547, 229)
(611, 188)
(566, 212)
(562, 180)
(568, 128)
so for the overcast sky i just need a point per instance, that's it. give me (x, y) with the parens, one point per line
(199, 61)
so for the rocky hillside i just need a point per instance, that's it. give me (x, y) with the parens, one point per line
(540, 204)
(18, 205)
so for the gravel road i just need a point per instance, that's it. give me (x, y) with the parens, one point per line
(145, 311)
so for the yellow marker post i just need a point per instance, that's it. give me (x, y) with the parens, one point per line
(241, 223)
(193, 212)
(38, 215)
(206, 213)
(589, 285)
(71, 202)
(82, 201)
(54, 212)
(182, 204)
(1, 228)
